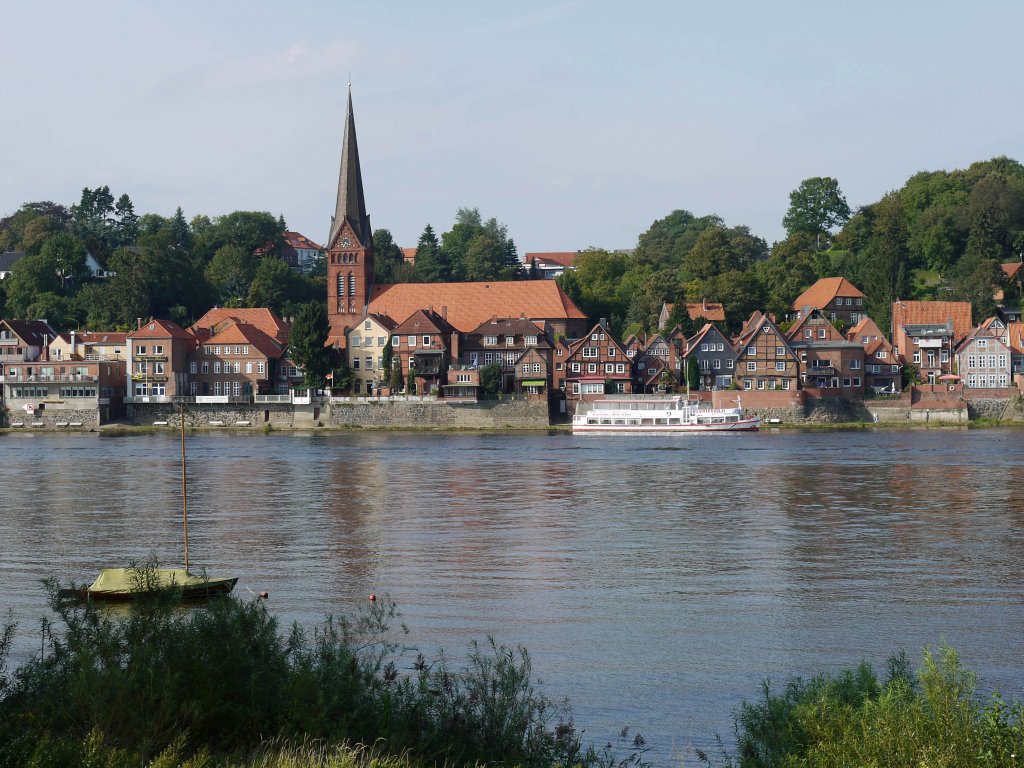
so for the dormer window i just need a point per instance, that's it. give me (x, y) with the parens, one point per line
(531, 341)
(510, 341)
(490, 341)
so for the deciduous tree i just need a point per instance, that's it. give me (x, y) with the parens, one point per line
(816, 207)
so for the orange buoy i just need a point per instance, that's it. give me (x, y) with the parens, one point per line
(373, 598)
(264, 595)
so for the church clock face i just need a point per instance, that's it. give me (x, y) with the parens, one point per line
(345, 241)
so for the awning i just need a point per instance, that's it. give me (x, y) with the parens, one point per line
(534, 383)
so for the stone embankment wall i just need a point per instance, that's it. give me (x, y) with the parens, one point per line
(56, 419)
(998, 409)
(398, 414)
(199, 415)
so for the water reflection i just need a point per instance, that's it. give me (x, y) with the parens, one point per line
(655, 580)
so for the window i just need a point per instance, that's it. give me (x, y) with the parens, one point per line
(846, 381)
(881, 354)
(558, 352)
(355, 363)
(238, 350)
(238, 366)
(704, 363)
(193, 387)
(917, 356)
(426, 340)
(216, 350)
(765, 329)
(245, 350)
(206, 366)
(558, 366)
(751, 351)
(729, 364)
(488, 358)
(216, 388)
(382, 341)
(751, 365)
(611, 351)
(944, 356)
(248, 366)
(158, 349)
(760, 383)
(575, 387)
(357, 341)
(412, 341)
(216, 367)
(780, 351)
(972, 361)
(807, 333)
(590, 352)
(526, 368)
(651, 371)
(855, 365)
(609, 367)
(821, 333)
(236, 388)
(593, 337)
(620, 367)
(780, 365)
(785, 383)
(717, 364)
(856, 381)
(207, 349)
(140, 350)
(368, 325)
(591, 367)
(193, 367)
(982, 342)
(261, 367)
(1002, 361)
(575, 368)
(490, 340)
(369, 362)
(703, 347)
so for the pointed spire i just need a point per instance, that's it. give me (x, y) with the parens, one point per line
(350, 204)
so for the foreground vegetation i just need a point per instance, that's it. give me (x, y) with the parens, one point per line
(933, 718)
(162, 685)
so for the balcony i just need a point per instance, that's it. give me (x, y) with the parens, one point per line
(62, 378)
(155, 358)
(154, 377)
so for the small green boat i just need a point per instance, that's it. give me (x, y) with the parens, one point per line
(123, 584)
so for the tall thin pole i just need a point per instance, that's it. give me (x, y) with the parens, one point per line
(184, 482)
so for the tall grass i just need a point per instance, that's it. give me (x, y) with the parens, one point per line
(163, 683)
(934, 719)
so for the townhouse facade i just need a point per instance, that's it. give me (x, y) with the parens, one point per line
(984, 358)
(424, 345)
(715, 356)
(595, 364)
(158, 353)
(365, 350)
(828, 361)
(502, 341)
(883, 373)
(764, 358)
(838, 298)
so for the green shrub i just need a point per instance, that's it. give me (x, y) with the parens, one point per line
(164, 683)
(851, 719)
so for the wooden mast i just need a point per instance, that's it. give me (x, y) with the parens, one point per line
(184, 482)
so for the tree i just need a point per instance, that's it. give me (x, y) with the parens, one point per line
(231, 273)
(386, 357)
(815, 208)
(410, 383)
(395, 379)
(127, 222)
(975, 278)
(30, 277)
(884, 273)
(276, 286)
(668, 240)
(680, 316)
(692, 373)
(430, 266)
(343, 378)
(387, 257)
(306, 343)
(490, 378)
(67, 253)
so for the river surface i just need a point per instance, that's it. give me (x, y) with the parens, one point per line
(656, 580)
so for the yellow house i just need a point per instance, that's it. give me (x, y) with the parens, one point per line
(365, 345)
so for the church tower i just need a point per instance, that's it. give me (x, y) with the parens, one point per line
(350, 245)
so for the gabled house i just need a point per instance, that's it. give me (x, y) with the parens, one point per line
(367, 340)
(926, 333)
(533, 370)
(90, 345)
(560, 351)
(715, 356)
(299, 252)
(658, 363)
(425, 345)
(882, 370)
(596, 362)
(551, 264)
(984, 357)
(836, 297)
(262, 318)
(237, 362)
(158, 353)
(827, 359)
(502, 341)
(1015, 340)
(764, 358)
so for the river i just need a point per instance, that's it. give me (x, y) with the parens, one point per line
(656, 580)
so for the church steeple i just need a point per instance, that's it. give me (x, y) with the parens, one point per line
(350, 203)
(350, 262)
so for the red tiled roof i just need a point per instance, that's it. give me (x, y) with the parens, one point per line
(824, 291)
(261, 317)
(1015, 334)
(243, 333)
(101, 337)
(565, 258)
(866, 327)
(709, 310)
(409, 255)
(161, 329)
(470, 304)
(1011, 269)
(298, 240)
(933, 312)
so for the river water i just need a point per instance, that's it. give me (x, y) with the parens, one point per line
(656, 580)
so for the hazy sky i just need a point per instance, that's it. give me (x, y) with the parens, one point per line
(575, 123)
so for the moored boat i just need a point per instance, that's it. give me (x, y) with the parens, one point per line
(664, 414)
(123, 584)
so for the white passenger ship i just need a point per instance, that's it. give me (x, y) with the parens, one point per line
(673, 414)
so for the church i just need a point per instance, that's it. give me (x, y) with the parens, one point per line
(352, 294)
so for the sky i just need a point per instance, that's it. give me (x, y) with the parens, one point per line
(576, 124)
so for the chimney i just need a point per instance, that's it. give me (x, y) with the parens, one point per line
(444, 312)
(138, 323)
